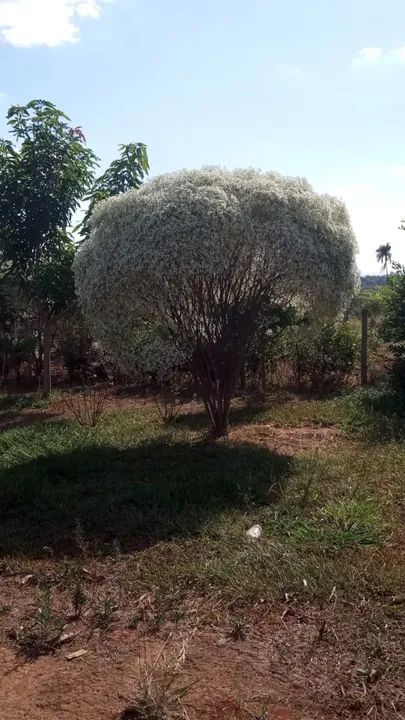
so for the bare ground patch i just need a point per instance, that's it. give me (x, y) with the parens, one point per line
(289, 441)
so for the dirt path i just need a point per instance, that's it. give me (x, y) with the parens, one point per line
(228, 680)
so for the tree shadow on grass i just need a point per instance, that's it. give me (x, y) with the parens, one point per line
(101, 495)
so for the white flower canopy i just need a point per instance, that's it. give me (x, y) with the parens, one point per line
(154, 252)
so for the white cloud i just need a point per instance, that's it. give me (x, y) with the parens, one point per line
(24, 23)
(368, 54)
(376, 56)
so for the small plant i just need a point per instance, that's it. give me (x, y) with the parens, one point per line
(78, 598)
(105, 612)
(160, 693)
(41, 634)
(87, 406)
(239, 630)
(168, 400)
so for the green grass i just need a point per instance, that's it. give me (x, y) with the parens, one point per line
(22, 401)
(376, 414)
(280, 410)
(177, 508)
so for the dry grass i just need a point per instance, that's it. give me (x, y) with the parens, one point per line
(160, 694)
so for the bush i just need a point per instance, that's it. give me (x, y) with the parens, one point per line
(376, 413)
(322, 356)
(168, 399)
(88, 405)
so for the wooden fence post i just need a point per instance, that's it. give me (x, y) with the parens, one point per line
(364, 346)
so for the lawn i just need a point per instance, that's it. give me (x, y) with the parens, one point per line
(135, 533)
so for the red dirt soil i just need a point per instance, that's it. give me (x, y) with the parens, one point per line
(228, 681)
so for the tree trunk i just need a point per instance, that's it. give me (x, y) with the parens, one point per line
(47, 383)
(219, 416)
(217, 373)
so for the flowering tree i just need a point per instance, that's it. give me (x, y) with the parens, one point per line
(186, 266)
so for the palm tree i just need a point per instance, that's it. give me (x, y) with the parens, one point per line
(384, 256)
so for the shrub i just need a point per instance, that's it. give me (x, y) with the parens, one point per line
(88, 405)
(168, 400)
(322, 356)
(376, 413)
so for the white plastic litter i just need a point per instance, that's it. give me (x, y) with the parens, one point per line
(255, 532)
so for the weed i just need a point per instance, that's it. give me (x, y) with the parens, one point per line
(311, 475)
(352, 521)
(78, 598)
(160, 694)
(240, 629)
(105, 612)
(41, 634)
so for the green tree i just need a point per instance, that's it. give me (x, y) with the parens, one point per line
(126, 173)
(45, 172)
(393, 312)
(384, 256)
(44, 176)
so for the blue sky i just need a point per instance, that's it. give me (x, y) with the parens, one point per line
(312, 89)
